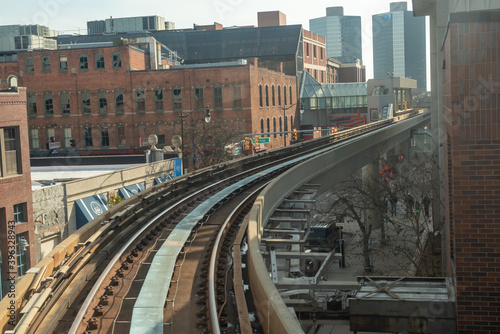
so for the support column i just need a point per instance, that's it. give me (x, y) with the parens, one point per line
(370, 174)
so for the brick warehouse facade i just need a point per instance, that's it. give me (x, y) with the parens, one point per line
(16, 207)
(109, 99)
(471, 107)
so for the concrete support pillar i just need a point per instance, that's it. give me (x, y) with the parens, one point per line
(370, 174)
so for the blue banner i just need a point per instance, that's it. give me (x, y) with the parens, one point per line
(177, 167)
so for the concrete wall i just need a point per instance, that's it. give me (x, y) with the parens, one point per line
(49, 211)
(54, 207)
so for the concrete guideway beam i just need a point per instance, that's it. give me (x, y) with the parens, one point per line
(273, 312)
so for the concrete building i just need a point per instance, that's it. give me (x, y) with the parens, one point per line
(464, 52)
(399, 45)
(389, 93)
(342, 34)
(17, 239)
(17, 38)
(126, 24)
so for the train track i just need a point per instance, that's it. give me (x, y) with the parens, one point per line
(97, 288)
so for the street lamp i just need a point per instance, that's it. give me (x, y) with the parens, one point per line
(285, 122)
(181, 115)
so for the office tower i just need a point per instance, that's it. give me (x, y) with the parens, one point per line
(342, 33)
(399, 45)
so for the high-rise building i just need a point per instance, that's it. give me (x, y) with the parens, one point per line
(342, 33)
(399, 45)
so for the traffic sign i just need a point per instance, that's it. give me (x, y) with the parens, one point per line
(264, 140)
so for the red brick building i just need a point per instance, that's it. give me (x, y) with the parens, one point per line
(16, 207)
(471, 106)
(315, 56)
(109, 98)
(464, 49)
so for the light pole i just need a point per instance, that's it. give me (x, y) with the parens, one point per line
(181, 115)
(285, 125)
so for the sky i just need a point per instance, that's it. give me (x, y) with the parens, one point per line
(70, 17)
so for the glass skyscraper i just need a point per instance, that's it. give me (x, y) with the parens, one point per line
(399, 45)
(342, 34)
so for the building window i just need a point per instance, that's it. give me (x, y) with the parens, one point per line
(274, 127)
(87, 131)
(121, 135)
(286, 125)
(21, 42)
(177, 98)
(142, 131)
(31, 105)
(140, 100)
(99, 61)
(104, 136)
(314, 51)
(281, 127)
(10, 151)
(103, 103)
(65, 106)
(19, 213)
(284, 95)
(119, 107)
(34, 140)
(49, 104)
(63, 64)
(29, 65)
(199, 100)
(291, 122)
(262, 126)
(267, 96)
(161, 133)
(307, 49)
(45, 64)
(291, 95)
(268, 126)
(117, 60)
(272, 96)
(67, 136)
(321, 53)
(22, 254)
(237, 101)
(279, 96)
(83, 62)
(86, 103)
(217, 91)
(260, 96)
(158, 100)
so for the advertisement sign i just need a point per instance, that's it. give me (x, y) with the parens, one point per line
(54, 145)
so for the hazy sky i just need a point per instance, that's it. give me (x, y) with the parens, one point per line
(68, 16)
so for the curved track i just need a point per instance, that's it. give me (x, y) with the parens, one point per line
(129, 274)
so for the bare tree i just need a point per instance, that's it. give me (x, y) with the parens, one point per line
(206, 142)
(409, 239)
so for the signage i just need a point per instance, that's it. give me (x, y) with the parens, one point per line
(264, 140)
(54, 145)
(177, 167)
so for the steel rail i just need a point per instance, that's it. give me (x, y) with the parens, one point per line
(214, 319)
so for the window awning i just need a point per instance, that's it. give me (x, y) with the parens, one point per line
(129, 191)
(89, 208)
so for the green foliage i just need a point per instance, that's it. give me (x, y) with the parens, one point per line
(114, 199)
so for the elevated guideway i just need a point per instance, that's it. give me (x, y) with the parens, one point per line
(324, 170)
